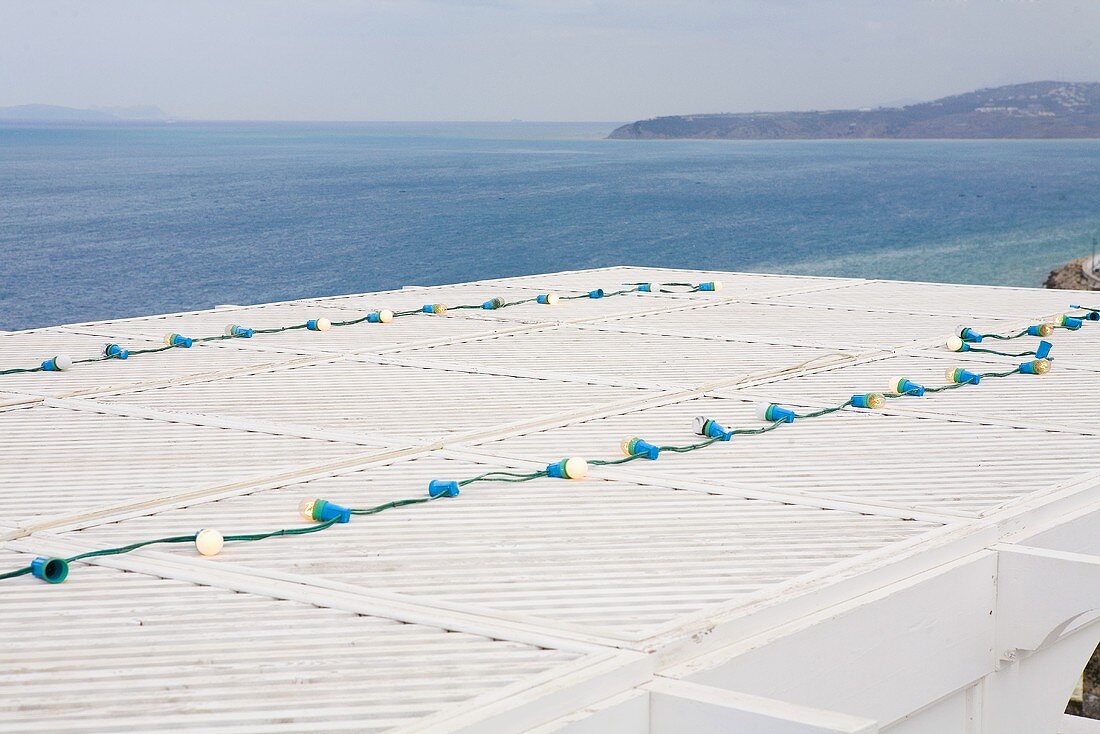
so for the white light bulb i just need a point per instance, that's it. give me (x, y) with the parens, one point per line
(305, 508)
(761, 410)
(209, 542)
(955, 344)
(552, 299)
(385, 316)
(323, 324)
(717, 285)
(576, 468)
(62, 362)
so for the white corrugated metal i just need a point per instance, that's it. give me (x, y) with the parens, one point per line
(947, 299)
(57, 462)
(674, 361)
(130, 652)
(382, 400)
(931, 464)
(559, 593)
(617, 557)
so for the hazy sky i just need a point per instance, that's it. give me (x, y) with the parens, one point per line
(536, 60)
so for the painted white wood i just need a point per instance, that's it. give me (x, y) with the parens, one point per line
(1079, 725)
(1043, 595)
(678, 706)
(880, 657)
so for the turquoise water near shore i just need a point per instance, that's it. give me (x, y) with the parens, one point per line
(123, 220)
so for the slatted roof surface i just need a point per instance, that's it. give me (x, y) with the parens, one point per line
(449, 615)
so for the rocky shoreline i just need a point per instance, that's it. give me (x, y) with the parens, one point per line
(1069, 277)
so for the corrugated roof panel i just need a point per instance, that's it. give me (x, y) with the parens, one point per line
(612, 557)
(29, 349)
(128, 652)
(943, 298)
(817, 325)
(933, 464)
(666, 360)
(1065, 397)
(382, 400)
(57, 462)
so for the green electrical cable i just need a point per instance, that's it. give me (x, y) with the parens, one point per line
(490, 476)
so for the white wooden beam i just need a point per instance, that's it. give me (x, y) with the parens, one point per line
(679, 706)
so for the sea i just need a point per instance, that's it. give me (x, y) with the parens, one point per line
(107, 221)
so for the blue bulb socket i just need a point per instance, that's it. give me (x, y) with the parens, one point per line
(428, 308)
(493, 304)
(443, 488)
(962, 375)
(1043, 349)
(1071, 323)
(1093, 316)
(50, 365)
(543, 298)
(114, 351)
(908, 387)
(775, 413)
(598, 293)
(708, 286)
(638, 446)
(241, 332)
(711, 429)
(50, 570)
(323, 511)
(969, 335)
(557, 471)
(178, 340)
(861, 400)
(645, 287)
(1034, 330)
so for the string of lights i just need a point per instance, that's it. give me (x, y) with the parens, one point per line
(63, 363)
(325, 514)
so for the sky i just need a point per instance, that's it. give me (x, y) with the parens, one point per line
(599, 60)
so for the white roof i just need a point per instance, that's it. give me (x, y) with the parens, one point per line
(513, 604)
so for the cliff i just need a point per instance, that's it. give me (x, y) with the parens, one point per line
(1035, 110)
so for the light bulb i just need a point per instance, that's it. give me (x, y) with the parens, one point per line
(571, 468)
(772, 413)
(209, 542)
(385, 316)
(640, 447)
(1040, 329)
(576, 468)
(955, 344)
(1036, 367)
(1069, 322)
(318, 324)
(902, 386)
(241, 332)
(305, 508)
(493, 303)
(177, 340)
(959, 375)
(872, 400)
(60, 363)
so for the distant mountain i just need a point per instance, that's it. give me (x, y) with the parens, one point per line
(54, 113)
(1035, 110)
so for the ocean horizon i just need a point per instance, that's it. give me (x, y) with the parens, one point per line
(117, 220)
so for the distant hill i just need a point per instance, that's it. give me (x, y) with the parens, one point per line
(1034, 110)
(54, 113)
